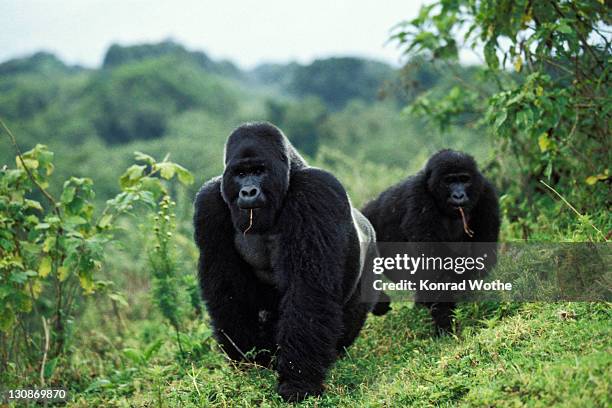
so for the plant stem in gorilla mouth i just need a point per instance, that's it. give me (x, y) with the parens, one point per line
(466, 227)
(250, 222)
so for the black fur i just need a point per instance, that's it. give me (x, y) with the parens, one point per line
(417, 210)
(291, 286)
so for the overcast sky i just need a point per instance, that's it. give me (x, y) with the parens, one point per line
(247, 32)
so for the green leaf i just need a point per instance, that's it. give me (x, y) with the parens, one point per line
(139, 156)
(49, 167)
(134, 355)
(135, 171)
(544, 142)
(518, 64)
(132, 175)
(50, 367)
(153, 185)
(49, 243)
(167, 169)
(105, 220)
(117, 297)
(87, 282)
(599, 177)
(75, 220)
(152, 349)
(184, 175)
(68, 194)
(33, 204)
(564, 28)
(548, 170)
(5, 291)
(18, 277)
(32, 220)
(490, 51)
(53, 219)
(29, 163)
(99, 383)
(63, 272)
(45, 267)
(7, 320)
(501, 118)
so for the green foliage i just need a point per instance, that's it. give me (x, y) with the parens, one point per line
(168, 293)
(381, 135)
(52, 252)
(28, 86)
(279, 75)
(338, 80)
(119, 55)
(61, 244)
(159, 98)
(301, 121)
(136, 101)
(362, 179)
(41, 62)
(335, 81)
(132, 100)
(549, 119)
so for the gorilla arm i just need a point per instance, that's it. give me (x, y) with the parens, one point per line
(486, 222)
(421, 217)
(315, 228)
(222, 271)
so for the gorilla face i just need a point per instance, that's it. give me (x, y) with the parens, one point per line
(454, 181)
(247, 177)
(256, 177)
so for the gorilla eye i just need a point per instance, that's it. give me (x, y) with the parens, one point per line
(241, 173)
(449, 179)
(457, 178)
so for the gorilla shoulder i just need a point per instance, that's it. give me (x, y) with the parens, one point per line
(318, 182)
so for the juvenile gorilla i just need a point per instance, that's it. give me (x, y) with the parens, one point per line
(280, 260)
(448, 201)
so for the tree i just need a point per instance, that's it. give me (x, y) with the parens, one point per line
(339, 80)
(550, 117)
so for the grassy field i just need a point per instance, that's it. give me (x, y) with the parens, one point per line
(532, 354)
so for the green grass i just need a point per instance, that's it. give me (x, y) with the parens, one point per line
(534, 354)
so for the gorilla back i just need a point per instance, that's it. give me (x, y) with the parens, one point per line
(280, 259)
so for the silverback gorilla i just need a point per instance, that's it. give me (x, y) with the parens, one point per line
(281, 263)
(448, 201)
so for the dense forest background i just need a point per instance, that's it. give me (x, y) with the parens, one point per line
(162, 98)
(97, 275)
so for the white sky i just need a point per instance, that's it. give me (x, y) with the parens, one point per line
(247, 32)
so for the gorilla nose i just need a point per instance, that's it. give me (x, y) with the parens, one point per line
(249, 197)
(249, 192)
(458, 198)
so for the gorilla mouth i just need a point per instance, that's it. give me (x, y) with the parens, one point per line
(466, 227)
(250, 206)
